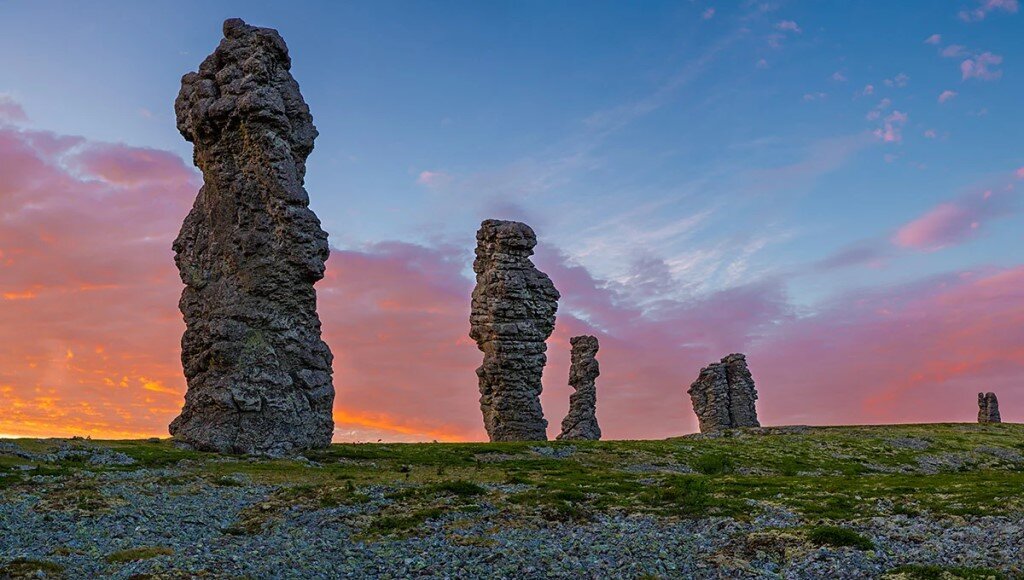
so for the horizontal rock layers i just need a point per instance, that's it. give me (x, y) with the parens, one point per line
(724, 396)
(249, 252)
(581, 421)
(513, 314)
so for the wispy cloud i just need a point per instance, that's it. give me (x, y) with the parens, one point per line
(984, 7)
(946, 96)
(788, 26)
(956, 221)
(10, 110)
(933, 39)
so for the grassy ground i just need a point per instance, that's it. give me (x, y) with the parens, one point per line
(820, 473)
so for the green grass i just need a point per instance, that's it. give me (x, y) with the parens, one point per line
(839, 537)
(143, 553)
(26, 568)
(921, 572)
(825, 474)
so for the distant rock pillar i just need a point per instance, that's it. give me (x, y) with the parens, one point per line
(581, 421)
(723, 396)
(988, 408)
(249, 252)
(513, 314)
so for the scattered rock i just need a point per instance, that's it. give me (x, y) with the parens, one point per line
(988, 408)
(581, 421)
(723, 395)
(513, 313)
(249, 252)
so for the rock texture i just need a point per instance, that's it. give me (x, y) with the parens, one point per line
(581, 421)
(249, 252)
(988, 408)
(723, 396)
(513, 313)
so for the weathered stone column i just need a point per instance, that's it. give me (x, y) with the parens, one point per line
(249, 252)
(581, 421)
(988, 408)
(723, 396)
(513, 314)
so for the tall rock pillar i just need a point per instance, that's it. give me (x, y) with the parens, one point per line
(513, 314)
(249, 252)
(581, 421)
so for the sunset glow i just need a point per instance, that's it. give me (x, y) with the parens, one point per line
(743, 180)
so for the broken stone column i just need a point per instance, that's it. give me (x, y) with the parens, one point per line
(724, 396)
(581, 421)
(513, 314)
(249, 252)
(988, 408)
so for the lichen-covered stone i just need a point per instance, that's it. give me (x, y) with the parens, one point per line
(581, 421)
(249, 252)
(513, 314)
(724, 396)
(988, 408)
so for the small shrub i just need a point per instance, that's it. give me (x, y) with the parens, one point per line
(713, 464)
(839, 537)
(459, 487)
(133, 554)
(25, 568)
(922, 572)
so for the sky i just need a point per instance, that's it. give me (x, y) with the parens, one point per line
(832, 188)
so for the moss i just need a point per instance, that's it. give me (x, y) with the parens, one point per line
(922, 572)
(26, 568)
(143, 553)
(387, 524)
(839, 538)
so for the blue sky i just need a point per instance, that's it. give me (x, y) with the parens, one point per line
(700, 144)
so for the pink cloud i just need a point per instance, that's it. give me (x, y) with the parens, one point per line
(788, 26)
(900, 80)
(985, 7)
(916, 353)
(433, 179)
(946, 96)
(839, 77)
(933, 39)
(982, 67)
(128, 166)
(1020, 173)
(954, 51)
(892, 127)
(930, 134)
(868, 90)
(708, 14)
(953, 222)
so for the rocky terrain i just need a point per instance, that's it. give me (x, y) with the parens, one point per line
(920, 501)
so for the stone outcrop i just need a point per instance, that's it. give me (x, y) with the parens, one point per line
(513, 313)
(723, 396)
(249, 252)
(988, 408)
(581, 421)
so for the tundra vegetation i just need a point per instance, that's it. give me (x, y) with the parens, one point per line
(776, 496)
